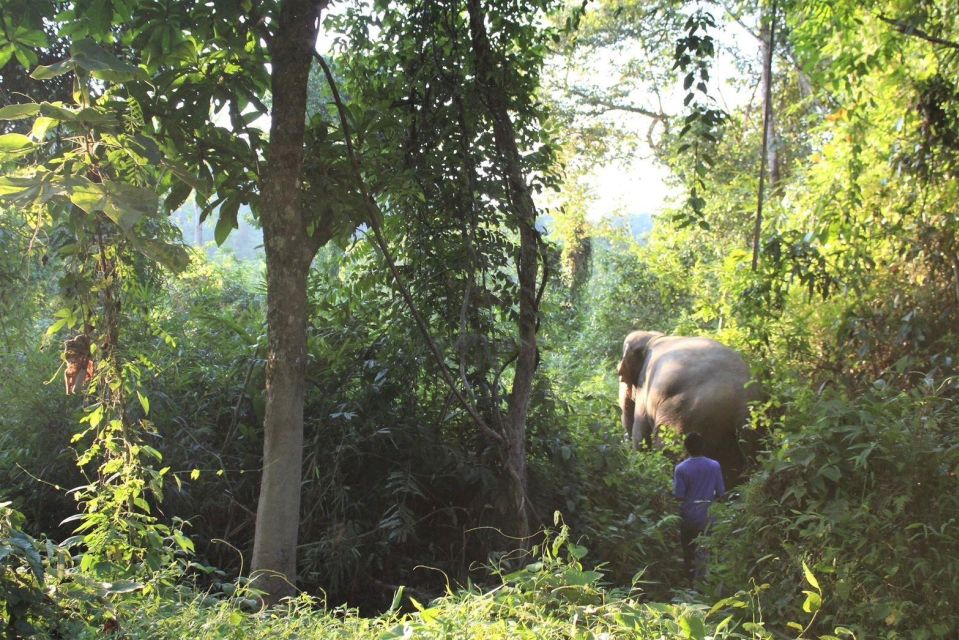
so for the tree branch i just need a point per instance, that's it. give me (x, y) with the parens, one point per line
(610, 105)
(373, 215)
(908, 30)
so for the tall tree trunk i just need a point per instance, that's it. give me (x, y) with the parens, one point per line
(289, 252)
(767, 43)
(524, 214)
(768, 157)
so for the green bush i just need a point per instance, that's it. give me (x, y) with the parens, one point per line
(864, 490)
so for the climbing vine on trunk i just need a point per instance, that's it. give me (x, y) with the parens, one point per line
(87, 177)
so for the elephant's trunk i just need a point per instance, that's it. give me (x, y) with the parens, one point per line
(627, 402)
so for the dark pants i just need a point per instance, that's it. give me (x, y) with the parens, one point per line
(694, 558)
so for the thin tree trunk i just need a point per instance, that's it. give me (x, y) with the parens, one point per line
(769, 46)
(767, 40)
(198, 228)
(289, 252)
(524, 213)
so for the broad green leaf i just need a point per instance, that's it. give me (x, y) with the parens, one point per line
(130, 203)
(19, 111)
(57, 112)
(40, 127)
(31, 37)
(25, 56)
(88, 195)
(172, 256)
(101, 64)
(581, 578)
(25, 543)
(56, 326)
(812, 603)
(123, 203)
(14, 142)
(183, 542)
(693, 627)
(54, 70)
(177, 196)
(19, 190)
(810, 578)
(152, 452)
(198, 184)
(227, 221)
(95, 118)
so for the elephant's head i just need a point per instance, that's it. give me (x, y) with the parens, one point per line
(635, 350)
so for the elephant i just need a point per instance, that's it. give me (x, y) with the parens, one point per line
(688, 384)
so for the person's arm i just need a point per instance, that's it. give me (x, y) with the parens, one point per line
(720, 485)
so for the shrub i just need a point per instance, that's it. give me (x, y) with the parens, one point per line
(864, 490)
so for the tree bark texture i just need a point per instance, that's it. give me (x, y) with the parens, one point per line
(768, 40)
(769, 121)
(524, 212)
(289, 252)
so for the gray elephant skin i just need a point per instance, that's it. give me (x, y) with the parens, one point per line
(688, 384)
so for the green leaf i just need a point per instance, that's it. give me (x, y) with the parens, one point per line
(227, 221)
(19, 111)
(812, 603)
(144, 402)
(88, 195)
(397, 598)
(6, 52)
(40, 127)
(810, 578)
(86, 55)
(57, 112)
(19, 190)
(56, 326)
(581, 578)
(14, 143)
(182, 541)
(831, 472)
(125, 204)
(95, 118)
(177, 196)
(197, 184)
(101, 64)
(54, 70)
(31, 37)
(26, 57)
(171, 256)
(152, 452)
(693, 627)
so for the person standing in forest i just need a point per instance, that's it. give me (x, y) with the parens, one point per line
(697, 482)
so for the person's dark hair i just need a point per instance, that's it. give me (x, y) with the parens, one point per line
(694, 443)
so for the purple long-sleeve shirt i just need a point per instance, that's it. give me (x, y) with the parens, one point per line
(697, 482)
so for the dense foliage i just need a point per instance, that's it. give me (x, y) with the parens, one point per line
(131, 504)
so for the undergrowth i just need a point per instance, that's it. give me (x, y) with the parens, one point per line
(555, 596)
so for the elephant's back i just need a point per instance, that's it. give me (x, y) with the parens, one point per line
(679, 364)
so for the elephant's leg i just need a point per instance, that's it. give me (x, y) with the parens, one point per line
(671, 414)
(642, 427)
